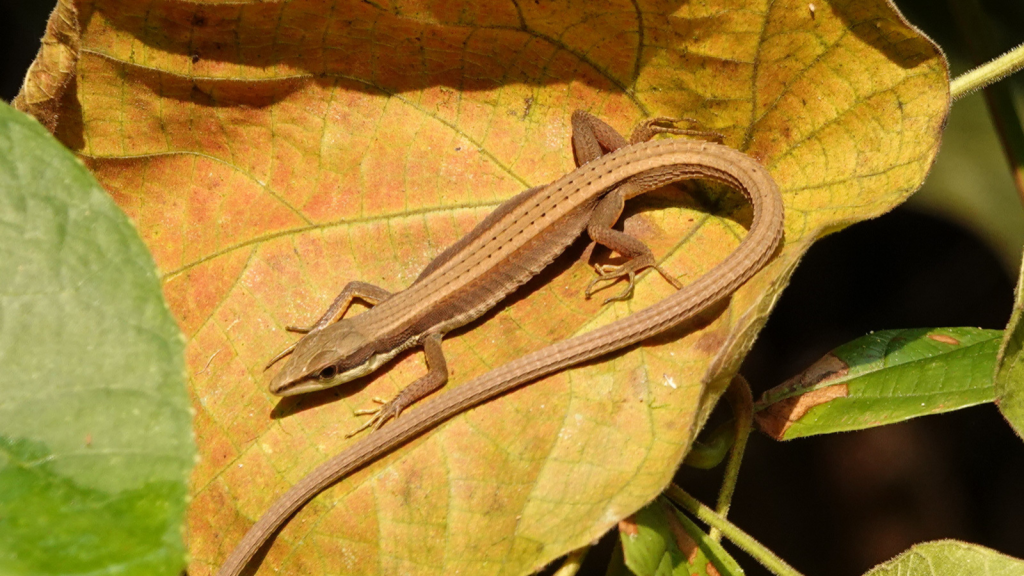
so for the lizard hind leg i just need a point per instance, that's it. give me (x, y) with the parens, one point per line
(638, 255)
(651, 127)
(592, 137)
(611, 274)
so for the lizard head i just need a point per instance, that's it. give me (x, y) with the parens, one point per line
(335, 355)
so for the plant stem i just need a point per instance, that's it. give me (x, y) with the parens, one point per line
(744, 541)
(987, 73)
(977, 32)
(572, 563)
(742, 403)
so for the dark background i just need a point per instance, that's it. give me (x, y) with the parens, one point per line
(837, 505)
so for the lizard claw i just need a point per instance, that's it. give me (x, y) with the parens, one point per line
(651, 127)
(366, 411)
(610, 274)
(386, 411)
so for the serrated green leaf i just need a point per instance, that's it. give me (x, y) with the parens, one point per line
(95, 438)
(949, 558)
(1010, 364)
(661, 541)
(882, 378)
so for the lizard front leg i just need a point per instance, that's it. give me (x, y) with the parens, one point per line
(368, 293)
(435, 378)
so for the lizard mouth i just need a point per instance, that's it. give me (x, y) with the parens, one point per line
(327, 377)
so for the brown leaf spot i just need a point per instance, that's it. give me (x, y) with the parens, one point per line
(779, 415)
(945, 339)
(710, 342)
(686, 544)
(777, 418)
(828, 367)
(711, 570)
(628, 526)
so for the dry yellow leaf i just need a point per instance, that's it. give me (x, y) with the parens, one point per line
(269, 152)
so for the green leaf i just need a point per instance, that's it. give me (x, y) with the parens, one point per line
(95, 437)
(1010, 365)
(949, 558)
(883, 378)
(617, 564)
(660, 541)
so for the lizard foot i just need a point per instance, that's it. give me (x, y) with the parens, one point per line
(382, 414)
(651, 127)
(610, 274)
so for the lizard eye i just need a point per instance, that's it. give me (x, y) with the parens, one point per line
(327, 373)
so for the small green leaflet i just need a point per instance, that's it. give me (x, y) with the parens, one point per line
(660, 541)
(882, 378)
